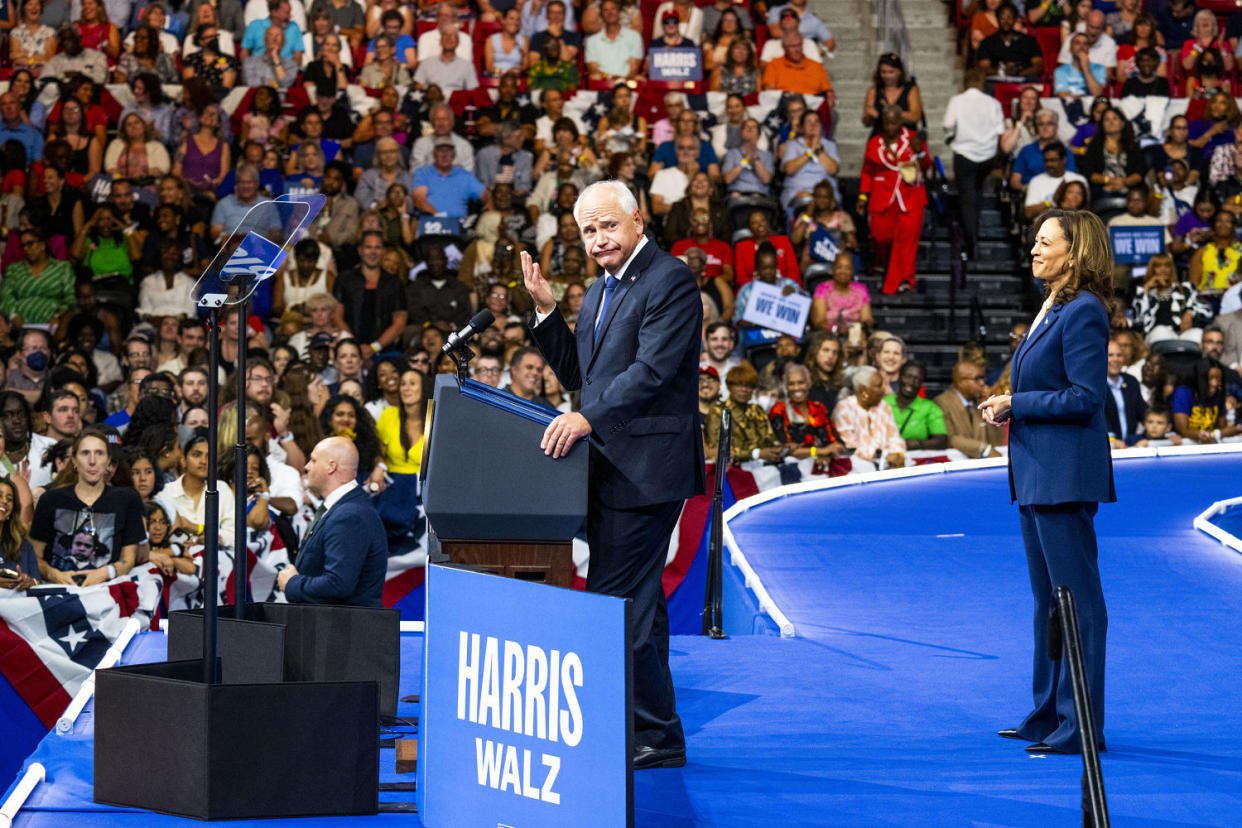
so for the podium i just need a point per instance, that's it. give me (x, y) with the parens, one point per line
(493, 499)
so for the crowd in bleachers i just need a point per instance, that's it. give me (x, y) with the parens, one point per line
(446, 139)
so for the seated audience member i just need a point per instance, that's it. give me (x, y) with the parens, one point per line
(866, 424)
(1214, 129)
(443, 188)
(718, 256)
(794, 72)
(841, 302)
(1020, 127)
(616, 51)
(505, 160)
(31, 42)
(16, 553)
(823, 361)
(968, 433)
(1102, 48)
(1009, 51)
(442, 126)
(1205, 35)
(1124, 408)
(1081, 75)
(748, 169)
(1146, 82)
(1042, 190)
(429, 42)
(1166, 308)
(789, 21)
(87, 532)
(919, 420)
(720, 341)
(716, 294)
(550, 70)
(670, 184)
(1029, 162)
(738, 73)
(280, 16)
(344, 553)
(446, 70)
(751, 436)
(824, 230)
(526, 375)
(386, 67)
(73, 58)
(801, 424)
(807, 159)
(549, 23)
(1213, 347)
(1158, 428)
(1199, 405)
(808, 22)
(744, 253)
(1114, 162)
(392, 24)
(700, 197)
(39, 289)
(1214, 266)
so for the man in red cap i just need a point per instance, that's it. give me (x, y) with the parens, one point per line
(709, 400)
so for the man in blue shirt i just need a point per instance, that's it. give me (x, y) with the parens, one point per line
(808, 24)
(442, 189)
(280, 15)
(1080, 76)
(13, 128)
(1029, 162)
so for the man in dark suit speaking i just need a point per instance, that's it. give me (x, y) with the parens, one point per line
(344, 554)
(634, 355)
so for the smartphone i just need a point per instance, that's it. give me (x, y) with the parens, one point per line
(9, 574)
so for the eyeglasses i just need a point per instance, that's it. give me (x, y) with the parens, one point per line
(261, 379)
(487, 370)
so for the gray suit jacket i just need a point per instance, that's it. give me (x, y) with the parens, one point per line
(1231, 325)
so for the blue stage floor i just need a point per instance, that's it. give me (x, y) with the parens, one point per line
(912, 609)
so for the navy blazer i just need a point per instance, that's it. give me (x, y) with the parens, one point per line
(1058, 438)
(639, 380)
(1136, 409)
(345, 557)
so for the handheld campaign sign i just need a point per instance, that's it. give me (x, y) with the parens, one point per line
(525, 715)
(767, 308)
(675, 64)
(256, 248)
(1135, 245)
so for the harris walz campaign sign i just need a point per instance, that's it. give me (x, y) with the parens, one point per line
(526, 696)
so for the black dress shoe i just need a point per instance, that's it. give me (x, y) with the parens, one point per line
(1040, 748)
(1010, 733)
(646, 757)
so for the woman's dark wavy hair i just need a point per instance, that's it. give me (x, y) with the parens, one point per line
(364, 430)
(150, 413)
(893, 61)
(1200, 382)
(12, 533)
(134, 454)
(1090, 254)
(1093, 158)
(371, 390)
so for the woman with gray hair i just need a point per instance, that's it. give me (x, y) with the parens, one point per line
(387, 171)
(866, 423)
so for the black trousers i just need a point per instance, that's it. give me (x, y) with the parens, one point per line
(628, 550)
(970, 177)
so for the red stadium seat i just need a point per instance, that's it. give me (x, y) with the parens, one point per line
(235, 120)
(1049, 38)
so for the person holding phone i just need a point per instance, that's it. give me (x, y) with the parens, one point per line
(19, 568)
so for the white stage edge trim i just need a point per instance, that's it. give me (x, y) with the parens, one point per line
(29, 781)
(64, 725)
(412, 626)
(1204, 524)
(755, 584)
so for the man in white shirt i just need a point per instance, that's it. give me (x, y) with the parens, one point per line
(1101, 48)
(973, 123)
(1041, 188)
(429, 41)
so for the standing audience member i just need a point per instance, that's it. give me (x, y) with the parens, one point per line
(973, 123)
(893, 196)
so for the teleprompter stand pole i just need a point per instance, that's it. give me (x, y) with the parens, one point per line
(240, 580)
(211, 508)
(1094, 802)
(713, 611)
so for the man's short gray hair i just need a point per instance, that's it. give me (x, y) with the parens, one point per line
(862, 376)
(618, 189)
(1046, 113)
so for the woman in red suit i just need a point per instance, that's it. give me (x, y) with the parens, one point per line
(892, 192)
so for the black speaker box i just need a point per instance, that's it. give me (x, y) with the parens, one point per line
(167, 742)
(320, 642)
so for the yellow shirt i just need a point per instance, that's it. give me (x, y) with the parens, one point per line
(388, 429)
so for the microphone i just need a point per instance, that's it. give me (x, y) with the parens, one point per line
(481, 320)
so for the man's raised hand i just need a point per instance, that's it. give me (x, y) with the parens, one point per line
(536, 285)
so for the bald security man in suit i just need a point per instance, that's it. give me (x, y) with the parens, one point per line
(634, 355)
(344, 555)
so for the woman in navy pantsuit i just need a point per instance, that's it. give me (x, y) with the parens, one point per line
(1060, 468)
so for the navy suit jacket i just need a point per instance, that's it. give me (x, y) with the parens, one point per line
(639, 380)
(1058, 438)
(345, 557)
(1136, 409)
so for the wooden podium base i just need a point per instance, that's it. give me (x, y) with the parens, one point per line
(544, 562)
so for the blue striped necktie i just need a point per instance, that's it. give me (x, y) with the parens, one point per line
(610, 285)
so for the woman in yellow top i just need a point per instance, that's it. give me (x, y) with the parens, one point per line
(400, 432)
(1214, 267)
